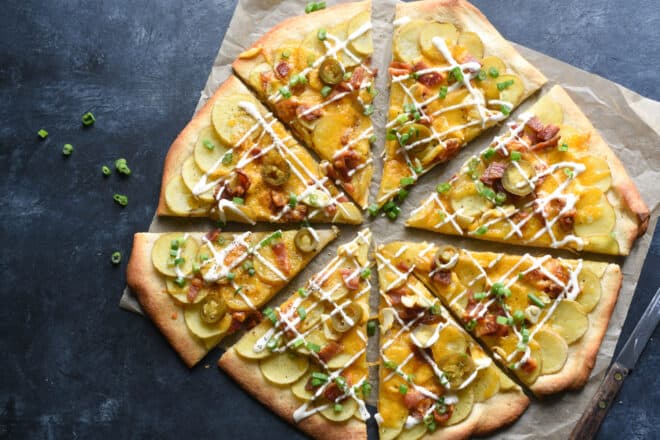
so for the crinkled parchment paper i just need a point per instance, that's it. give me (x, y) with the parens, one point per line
(629, 122)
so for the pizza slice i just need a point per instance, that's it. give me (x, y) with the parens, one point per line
(197, 288)
(435, 380)
(542, 318)
(313, 72)
(452, 76)
(549, 181)
(307, 362)
(235, 162)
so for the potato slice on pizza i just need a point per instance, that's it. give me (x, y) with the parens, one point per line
(197, 288)
(542, 318)
(549, 181)
(235, 162)
(313, 72)
(452, 76)
(307, 362)
(435, 380)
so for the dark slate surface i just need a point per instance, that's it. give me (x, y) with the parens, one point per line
(72, 364)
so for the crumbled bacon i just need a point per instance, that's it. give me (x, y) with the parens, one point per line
(398, 68)
(296, 214)
(342, 199)
(330, 350)
(330, 210)
(282, 257)
(213, 235)
(542, 282)
(529, 365)
(332, 392)
(253, 319)
(535, 124)
(396, 294)
(266, 78)
(541, 136)
(555, 208)
(350, 278)
(195, 286)
(254, 151)
(442, 277)
(310, 116)
(452, 146)
(547, 132)
(237, 186)
(237, 319)
(417, 404)
(402, 266)
(443, 417)
(277, 200)
(488, 325)
(282, 69)
(287, 109)
(567, 220)
(494, 172)
(359, 73)
(429, 79)
(346, 161)
(550, 143)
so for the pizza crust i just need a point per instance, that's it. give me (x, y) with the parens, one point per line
(632, 212)
(582, 354)
(149, 287)
(464, 15)
(282, 402)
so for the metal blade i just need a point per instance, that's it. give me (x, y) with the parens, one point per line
(641, 334)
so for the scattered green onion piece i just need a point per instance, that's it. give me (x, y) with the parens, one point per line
(88, 119)
(285, 92)
(270, 314)
(403, 389)
(443, 187)
(338, 407)
(67, 149)
(365, 273)
(394, 213)
(115, 257)
(407, 181)
(390, 364)
(563, 146)
(238, 200)
(231, 276)
(502, 320)
(480, 295)
(43, 134)
(373, 210)
(525, 335)
(302, 293)
(504, 84)
(481, 75)
(320, 376)
(208, 144)
(120, 199)
(298, 342)
(347, 75)
(366, 389)
(325, 91)
(227, 158)
(368, 110)
(313, 347)
(302, 313)
(442, 94)
(489, 153)
(536, 300)
(180, 281)
(505, 109)
(481, 230)
(371, 328)
(457, 73)
(106, 170)
(516, 156)
(471, 324)
(500, 198)
(373, 139)
(569, 173)
(493, 72)
(519, 316)
(286, 53)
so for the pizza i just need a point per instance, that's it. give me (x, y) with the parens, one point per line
(543, 318)
(435, 380)
(550, 180)
(313, 72)
(235, 162)
(452, 76)
(307, 361)
(197, 288)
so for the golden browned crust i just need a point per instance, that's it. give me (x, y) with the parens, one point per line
(582, 354)
(295, 28)
(281, 401)
(632, 213)
(149, 287)
(465, 16)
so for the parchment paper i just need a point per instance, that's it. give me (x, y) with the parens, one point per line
(629, 122)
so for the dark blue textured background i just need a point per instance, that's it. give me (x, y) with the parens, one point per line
(72, 364)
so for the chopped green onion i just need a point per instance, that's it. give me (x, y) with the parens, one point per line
(536, 300)
(88, 119)
(313, 347)
(373, 210)
(314, 6)
(520, 275)
(122, 166)
(457, 73)
(569, 173)
(442, 94)
(208, 144)
(505, 109)
(302, 313)
(516, 156)
(43, 134)
(435, 309)
(366, 389)
(390, 364)
(180, 281)
(238, 200)
(320, 376)
(272, 344)
(270, 314)
(443, 187)
(471, 324)
(227, 158)
(179, 261)
(297, 79)
(302, 293)
(481, 230)
(394, 213)
(293, 200)
(502, 320)
(504, 84)
(173, 253)
(391, 135)
(286, 53)
(372, 139)
(365, 273)
(106, 170)
(338, 408)
(285, 92)
(325, 91)
(407, 181)
(480, 295)
(402, 118)
(500, 198)
(481, 75)
(525, 335)
(348, 75)
(231, 276)
(368, 110)
(489, 153)
(115, 257)
(519, 316)
(499, 289)
(322, 34)
(563, 146)
(120, 199)
(493, 72)
(298, 342)
(341, 382)
(371, 328)
(403, 389)
(67, 149)
(414, 75)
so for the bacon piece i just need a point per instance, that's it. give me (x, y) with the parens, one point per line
(346, 161)
(550, 143)
(287, 109)
(488, 325)
(547, 132)
(282, 69)
(567, 220)
(535, 124)
(358, 76)
(255, 151)
(282, 257)
(236, 187)
(429, 79)
(542, 282)
(398, 68)
(342, 199)
(277, 200)
(213, 235)
(417, 404)
(402, 266)
(195, 286)
(443, 417)
(254, 319)
(442, 277)
(296, 214)
(330, 210)
(311, 116)
(330, 350)
(494, 172)
(396, 294)
(237, 318)
(332, 392)
(529, 365)
(266, 78)
(452, 145)
(351, 280)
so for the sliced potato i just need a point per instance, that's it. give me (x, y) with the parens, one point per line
(191, 175)
(590, 290)
(473, 44)
(363, 44)
(463, 407)
(328, 132)
(554, 350)
(529, 376)
(548, 111)
(339, 361)
(570, 320)
(605, 244)
(595, 215)
(514, 92)
(311, 43)
(390, 432)
(506, 383)
(255, 79)
(230, 121)
(348, 408)
(245, 346)
(413, 433)
(447, 31)
(284, 368)
(597, 173)
(265, 270)
(180, 200)
(181, 293)
(470, 206)
(201, 329)
(450, 342)
(405, 46)
(493, 62)
(209, 160)
(299, 388)
(255, 291)
(160, 254)
(486, 384)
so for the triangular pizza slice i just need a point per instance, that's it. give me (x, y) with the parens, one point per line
(313, 72)
(550, 180)
(435, 380)
(235, 162)
(307, 361)
(197, 288)
(452, 76)
(542, 318)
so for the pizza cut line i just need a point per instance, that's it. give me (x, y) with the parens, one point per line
(198, 288)
(435, 380)
(550, 180)
(452, 76)
(542, 318)
(313, 72)
(235, 162)
(307, 361)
